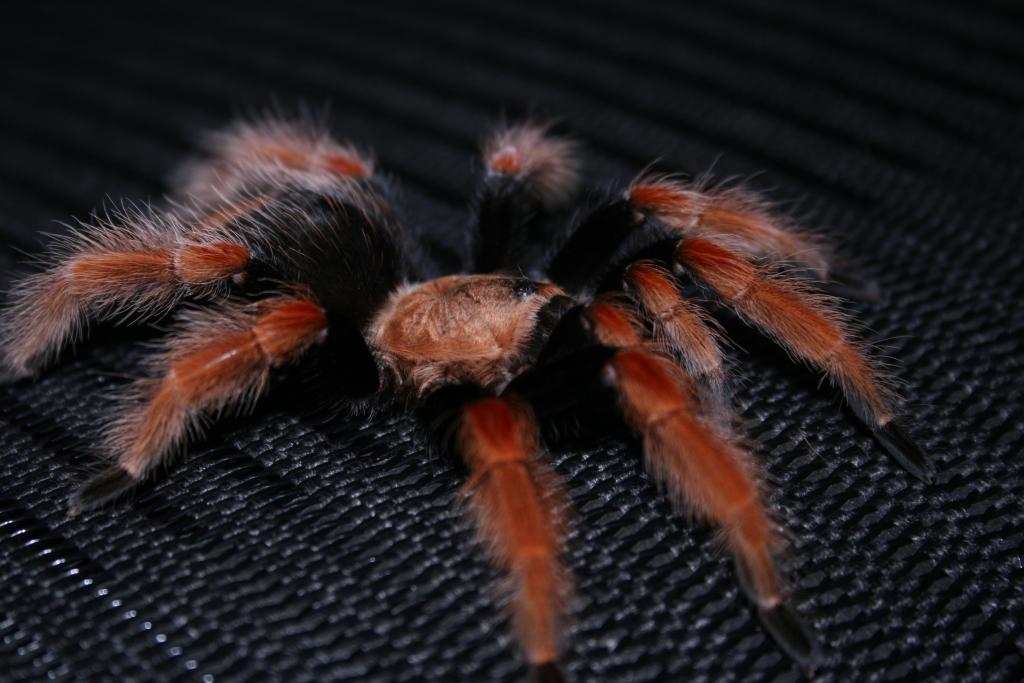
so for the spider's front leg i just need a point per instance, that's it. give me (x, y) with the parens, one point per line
(218, 361)
(602, 345)
(745, 223)
(516, 503)
(804, 324)
(449, 346)
(681, 328)
(609, 234)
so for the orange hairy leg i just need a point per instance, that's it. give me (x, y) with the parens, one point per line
(107, 277)
(680, 326)
(515, 501)
(218, 362)
(341, 161)
(806, 325)
(529, 173)
(702, 470)
(710, 477)
(237, 158)
(732, 216)
(612, 323)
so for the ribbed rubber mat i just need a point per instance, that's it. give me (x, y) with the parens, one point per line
(300, 544)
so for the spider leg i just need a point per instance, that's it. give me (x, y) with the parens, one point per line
(247, 153)
(515, 501)
(219, 361)
(741, 221)
(729, 216)
(528, 173)
(712, 478)
(702, 469)
(138, 268)
(614, 228)
(809, 328)
(681, 327)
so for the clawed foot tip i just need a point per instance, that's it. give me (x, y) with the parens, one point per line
(897, 440)
(792, 634)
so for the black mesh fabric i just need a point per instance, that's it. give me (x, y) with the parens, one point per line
(298, 544)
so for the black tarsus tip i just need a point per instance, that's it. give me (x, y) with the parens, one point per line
(893, 435)
(548, 672)
(795, 637)
(108, 485)
(847, 286)
(792, 634)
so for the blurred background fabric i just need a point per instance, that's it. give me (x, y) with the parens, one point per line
(302, 544)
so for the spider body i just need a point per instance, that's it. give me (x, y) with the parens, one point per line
(286, 241)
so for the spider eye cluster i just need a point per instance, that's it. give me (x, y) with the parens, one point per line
(524, 288)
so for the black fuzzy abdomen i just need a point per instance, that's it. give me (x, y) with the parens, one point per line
(340, 244)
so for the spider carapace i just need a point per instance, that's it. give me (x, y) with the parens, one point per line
(285, 241)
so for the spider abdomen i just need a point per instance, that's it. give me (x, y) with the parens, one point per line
(339, 243)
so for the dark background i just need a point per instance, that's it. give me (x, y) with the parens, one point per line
(298, 544)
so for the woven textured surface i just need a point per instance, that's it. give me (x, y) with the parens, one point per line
(297, 544)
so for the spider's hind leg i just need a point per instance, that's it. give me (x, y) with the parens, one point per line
(219, 361)
(239, 157)
(528, 174)
(704, 471)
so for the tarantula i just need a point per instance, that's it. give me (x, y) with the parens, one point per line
(291, 239)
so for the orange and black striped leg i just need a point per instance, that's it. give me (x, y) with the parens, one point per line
(516, 502)
(809, 328)
(126, 271)
(682, 328)
(219, 361)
